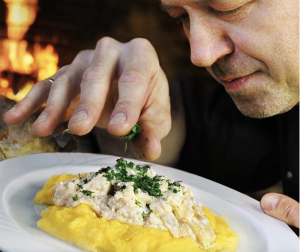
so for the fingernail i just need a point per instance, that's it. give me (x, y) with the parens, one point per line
(81, 115)
(43, 116)
(269, 202)
(117, 119)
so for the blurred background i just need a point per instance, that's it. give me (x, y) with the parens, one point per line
(37, 37)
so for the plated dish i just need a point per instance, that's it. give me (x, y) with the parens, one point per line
(22, 177)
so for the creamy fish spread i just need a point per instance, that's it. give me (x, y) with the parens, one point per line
(136, 195)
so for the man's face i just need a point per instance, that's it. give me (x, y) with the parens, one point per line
(250, 47)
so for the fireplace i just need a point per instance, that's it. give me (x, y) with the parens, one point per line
(46, 35)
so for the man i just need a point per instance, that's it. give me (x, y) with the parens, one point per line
(249, 47)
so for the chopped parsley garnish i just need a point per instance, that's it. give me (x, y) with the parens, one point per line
(175, 183)
(75, 198)
(87, 192)
(139, 204)
(123, 187)
(171, 186)
(142, 169)
(103, 170)
(143, 215)
(132, 135)
(133, 132)
(147, 184)
(130, 165)
(109, 175)
(140, 181)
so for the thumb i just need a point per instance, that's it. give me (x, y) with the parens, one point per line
(281, 207)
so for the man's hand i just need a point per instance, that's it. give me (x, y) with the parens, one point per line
(119, 85)
(281, 207)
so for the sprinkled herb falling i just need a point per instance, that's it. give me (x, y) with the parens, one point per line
(132, 135)
(133, 132)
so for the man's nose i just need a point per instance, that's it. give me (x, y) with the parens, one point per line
(209, 42)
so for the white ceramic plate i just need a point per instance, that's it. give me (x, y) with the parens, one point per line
(21, 178)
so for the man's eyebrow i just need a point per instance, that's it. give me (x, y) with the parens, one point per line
(166, 7)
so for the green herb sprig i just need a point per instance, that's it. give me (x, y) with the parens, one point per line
(75, 198)
(87, 192)
(133, 132)
(140, 181)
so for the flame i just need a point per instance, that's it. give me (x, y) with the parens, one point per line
(46, 60)
(15, 57)
(22, 92)
(21, 14)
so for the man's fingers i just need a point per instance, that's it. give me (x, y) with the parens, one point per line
(138, 76)
(119, 85)
(64, 88)
(31, 103)
(36, 97)
(281, 207)
(143, 98)
(155, 122)
(95, 85)
(147, 145)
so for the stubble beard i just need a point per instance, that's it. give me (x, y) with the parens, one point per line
(266, 104)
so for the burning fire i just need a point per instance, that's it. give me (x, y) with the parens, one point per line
(16, 58)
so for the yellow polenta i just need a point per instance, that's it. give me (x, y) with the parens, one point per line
(82, 227)
(45, 196)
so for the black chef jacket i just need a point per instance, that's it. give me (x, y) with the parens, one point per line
(243, 153)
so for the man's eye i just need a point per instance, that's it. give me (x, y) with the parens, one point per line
(234, 13)
(182, 18)
(227, 12)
